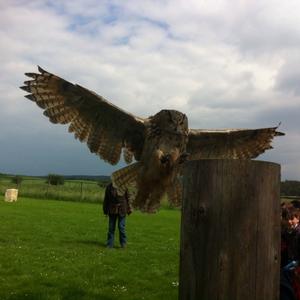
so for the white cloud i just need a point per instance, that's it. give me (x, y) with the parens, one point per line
(223, 63)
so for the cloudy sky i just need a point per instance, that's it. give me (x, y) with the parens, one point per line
(226, 64)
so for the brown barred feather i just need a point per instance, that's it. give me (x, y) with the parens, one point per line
(65, 103)
(60, 114)
(84, 133)
(127, 155)
(48, 102)
(77, 125)
(111, 150)
(114, 155)
(96, 138)
(229, 143)
(125, 177)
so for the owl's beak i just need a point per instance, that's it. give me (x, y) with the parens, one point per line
(165, 158)
(168, 158)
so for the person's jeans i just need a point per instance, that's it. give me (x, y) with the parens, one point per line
(111, 230)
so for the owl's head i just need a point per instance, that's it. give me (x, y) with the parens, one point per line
(170, 128)
(171, 121)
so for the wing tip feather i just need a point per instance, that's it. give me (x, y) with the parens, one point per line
(41, 70)
(30, 97)
(25, 88)
(31, 75)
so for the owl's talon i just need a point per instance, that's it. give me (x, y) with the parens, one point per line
(183, 157)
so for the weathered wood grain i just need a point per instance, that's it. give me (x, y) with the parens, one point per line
(230, 231)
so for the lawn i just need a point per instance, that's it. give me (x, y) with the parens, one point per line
(56, 250)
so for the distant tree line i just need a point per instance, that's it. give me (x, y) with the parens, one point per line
(56, 179)
(17, 179)
(290, 188)
(53, 179)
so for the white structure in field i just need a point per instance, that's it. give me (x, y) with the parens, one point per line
(11, 195)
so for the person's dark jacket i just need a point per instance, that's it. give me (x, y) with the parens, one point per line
(293, 241)
(114, 204)
(286, 287)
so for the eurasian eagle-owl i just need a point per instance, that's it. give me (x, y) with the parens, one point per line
(159, 144)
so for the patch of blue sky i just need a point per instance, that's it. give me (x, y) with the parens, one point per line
(110, 16)
(75, 20)
(58, 7)
(79, 21)
(114, 13)
(164, 26)
(124, 40)
(156, 23)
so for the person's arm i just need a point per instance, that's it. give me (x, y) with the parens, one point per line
(106, 201)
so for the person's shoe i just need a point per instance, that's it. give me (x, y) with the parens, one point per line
(123, 246)
(109, 247)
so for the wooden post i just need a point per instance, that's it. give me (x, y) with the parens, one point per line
(230, 231)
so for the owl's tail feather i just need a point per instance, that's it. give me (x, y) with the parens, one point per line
(126, 177)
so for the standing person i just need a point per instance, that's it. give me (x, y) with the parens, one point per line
(294, 235)
(116, 207)
(293, 247)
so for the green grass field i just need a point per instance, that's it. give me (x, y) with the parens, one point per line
(56, 250)
(72, 190)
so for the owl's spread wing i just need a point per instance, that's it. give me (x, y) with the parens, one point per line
(229, 143)
(104, 127)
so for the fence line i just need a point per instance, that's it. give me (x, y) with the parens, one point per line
(71, 190)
